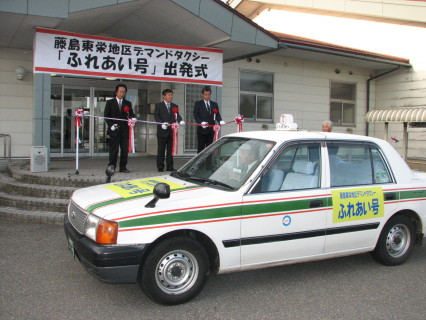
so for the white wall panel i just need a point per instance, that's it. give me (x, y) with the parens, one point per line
(16, 100)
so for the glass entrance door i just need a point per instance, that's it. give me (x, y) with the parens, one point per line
(64, 102)
(70, 94)
(76, 98)
(100, 139)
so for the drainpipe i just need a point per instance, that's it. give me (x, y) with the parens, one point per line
(368, 93)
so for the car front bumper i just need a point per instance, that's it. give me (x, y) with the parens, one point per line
(108, 263)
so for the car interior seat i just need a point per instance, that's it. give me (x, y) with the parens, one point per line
(302, 176)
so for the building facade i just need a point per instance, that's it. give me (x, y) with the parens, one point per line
(264, 75)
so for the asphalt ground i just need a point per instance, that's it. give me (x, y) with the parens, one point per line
(40, 280)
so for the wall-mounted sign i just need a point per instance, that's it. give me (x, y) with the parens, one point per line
(78, 54)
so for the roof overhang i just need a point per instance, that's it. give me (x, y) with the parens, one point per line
(197, 23)
(252, 8)
(309, 49)
(403, 114)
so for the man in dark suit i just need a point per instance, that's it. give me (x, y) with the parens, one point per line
(204, 111)
(164, 113)
(118, 131)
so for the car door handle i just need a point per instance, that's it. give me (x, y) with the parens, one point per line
(315, 203)
(390, 196)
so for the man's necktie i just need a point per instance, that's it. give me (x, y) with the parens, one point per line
(168, 107)
(208, 106)
(119, 104)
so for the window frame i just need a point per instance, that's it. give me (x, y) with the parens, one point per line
(257, 94)
(368, 146)
(342, 102)
(256, 188)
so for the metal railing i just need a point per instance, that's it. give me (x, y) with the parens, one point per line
(7, 146)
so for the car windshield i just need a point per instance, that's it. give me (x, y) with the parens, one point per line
(227, 163)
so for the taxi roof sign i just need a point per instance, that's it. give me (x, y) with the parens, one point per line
(286, 123)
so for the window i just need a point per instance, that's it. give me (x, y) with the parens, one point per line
(342, 103)
(356, 164)
(192, 94)
(256, 95)
(297, 167)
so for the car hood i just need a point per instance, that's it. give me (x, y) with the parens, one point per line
(126, 200)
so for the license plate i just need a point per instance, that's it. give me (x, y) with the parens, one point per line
(71, 247)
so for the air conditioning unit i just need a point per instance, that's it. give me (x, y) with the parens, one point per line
(38, 159)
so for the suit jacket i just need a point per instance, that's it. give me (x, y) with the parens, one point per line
(202, 115)
(161, 114)
(112, 111)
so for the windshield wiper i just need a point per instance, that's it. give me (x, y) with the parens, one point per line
(183, 175)
(210, 181)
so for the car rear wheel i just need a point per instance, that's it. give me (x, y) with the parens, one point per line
(395, 242)
(175, 271)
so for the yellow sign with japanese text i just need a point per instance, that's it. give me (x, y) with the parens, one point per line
(133, 188)
(357, 204)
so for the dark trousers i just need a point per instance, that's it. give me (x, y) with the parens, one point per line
(163, 145)
(116, 141)
(204, 140)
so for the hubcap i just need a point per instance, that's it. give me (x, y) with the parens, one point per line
(177, 272)
(398, 240)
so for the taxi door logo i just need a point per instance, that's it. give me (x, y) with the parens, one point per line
(357, 204)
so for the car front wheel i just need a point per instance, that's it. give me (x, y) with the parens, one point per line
(395, 242)
(175, 271)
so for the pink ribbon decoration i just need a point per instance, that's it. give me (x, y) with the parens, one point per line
(78, 116)
(239, 120)
(131, 145)
(216, 130)
(175, 129)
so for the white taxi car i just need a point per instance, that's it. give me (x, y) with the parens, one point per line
(251, 200)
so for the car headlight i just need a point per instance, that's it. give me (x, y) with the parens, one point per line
(100, 230)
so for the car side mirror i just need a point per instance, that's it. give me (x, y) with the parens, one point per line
(109, 173)
(161, 191)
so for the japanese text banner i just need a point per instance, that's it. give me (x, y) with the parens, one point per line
(77, 54)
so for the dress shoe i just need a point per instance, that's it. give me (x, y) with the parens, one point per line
(172, 169)
(160, 170)
(124, 170)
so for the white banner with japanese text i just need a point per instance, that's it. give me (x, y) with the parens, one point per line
(63, 52)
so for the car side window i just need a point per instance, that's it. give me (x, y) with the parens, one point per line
(297, 167)
(356, 164)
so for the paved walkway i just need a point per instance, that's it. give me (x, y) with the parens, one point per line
(93, 169)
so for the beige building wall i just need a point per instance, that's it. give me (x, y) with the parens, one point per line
(301, 88)
(404, 88)
(16, 100)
